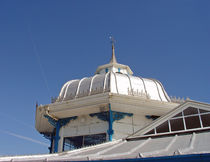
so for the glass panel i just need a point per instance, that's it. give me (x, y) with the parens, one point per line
(205, 120)
(177, 124)
(150, 132)
(192, 122)
(178, 115)
(94, 139)
(203, 111)
(190, 111)
(71, 143)
(163, 128)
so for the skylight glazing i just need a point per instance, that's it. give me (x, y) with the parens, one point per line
(186, 120)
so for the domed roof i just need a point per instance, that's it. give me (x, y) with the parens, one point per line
(115, 78)
(114, 82)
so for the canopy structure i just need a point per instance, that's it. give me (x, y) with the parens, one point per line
(116, 115)
(169, 143)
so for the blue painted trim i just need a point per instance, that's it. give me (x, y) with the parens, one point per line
(153, 117)
(50, 137)
(58, 125)
(62, 121)
(51, 120)
(175, 158)
(110, 130)
(104, 116)
(57, 137)
(106, 70)
(51, 143)
(110, 116)
(65, 121)
(120, 115)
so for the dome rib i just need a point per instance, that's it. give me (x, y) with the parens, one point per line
(63, 89)
(164, 92)
(115, 82)
(157, 89)
(66, 90)
(130, 83)
(91, 83)
(105, 79)
(78, 88)
(144, 86)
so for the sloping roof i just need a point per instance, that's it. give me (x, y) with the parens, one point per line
(182, 144)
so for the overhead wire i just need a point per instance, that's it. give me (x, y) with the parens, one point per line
(24, 137)
(36, 53)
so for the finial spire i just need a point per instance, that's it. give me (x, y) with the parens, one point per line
(113, 59)
(113, 66)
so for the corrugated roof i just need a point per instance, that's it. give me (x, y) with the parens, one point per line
(182, 144)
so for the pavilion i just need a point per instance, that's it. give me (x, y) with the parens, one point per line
(115, 116)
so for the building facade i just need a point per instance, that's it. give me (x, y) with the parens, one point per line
(108, 106)
(116, 116)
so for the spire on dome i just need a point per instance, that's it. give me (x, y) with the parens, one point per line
(113, 66)
(113, 59)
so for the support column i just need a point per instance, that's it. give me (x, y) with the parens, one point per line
(51, 143)
(57, 137)
(110, 116)
(58, 124)
(110, 130)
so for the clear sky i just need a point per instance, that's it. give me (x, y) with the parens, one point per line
(43, 44)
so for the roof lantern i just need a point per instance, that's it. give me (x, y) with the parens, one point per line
(113, 66)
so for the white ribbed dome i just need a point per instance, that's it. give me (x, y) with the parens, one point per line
(115, 78)
(115, 83)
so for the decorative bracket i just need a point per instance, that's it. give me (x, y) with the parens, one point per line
(104, 116)
(58, 124)
(62, 122)
(110, 116)
(120, 115)
(153, 117)
(51, 120)
(65, 121)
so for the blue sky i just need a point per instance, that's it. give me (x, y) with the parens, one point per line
(43, 44)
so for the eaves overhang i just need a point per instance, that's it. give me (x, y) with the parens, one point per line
(99, 103)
